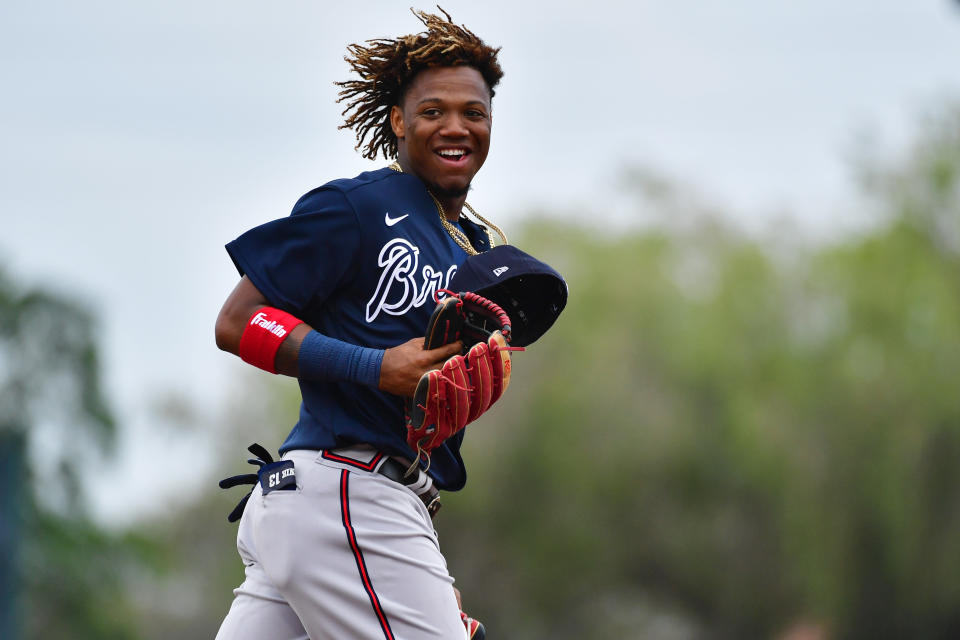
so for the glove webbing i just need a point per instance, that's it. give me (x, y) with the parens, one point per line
(489, 305)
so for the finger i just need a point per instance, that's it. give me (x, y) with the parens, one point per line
(436, 357)
(446, 351)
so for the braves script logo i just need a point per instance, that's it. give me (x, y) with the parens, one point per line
(401, 285)
(270, 325)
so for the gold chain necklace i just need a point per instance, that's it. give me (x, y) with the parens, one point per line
(458, 235)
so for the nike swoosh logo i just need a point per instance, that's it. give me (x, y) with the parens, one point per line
(392, 221)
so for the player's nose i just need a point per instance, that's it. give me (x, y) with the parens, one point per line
(453, 125)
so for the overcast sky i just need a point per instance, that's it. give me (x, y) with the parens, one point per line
(138, 138)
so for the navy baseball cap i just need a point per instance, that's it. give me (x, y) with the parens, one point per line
(531, 292)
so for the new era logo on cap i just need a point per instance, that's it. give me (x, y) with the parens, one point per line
(499, 270)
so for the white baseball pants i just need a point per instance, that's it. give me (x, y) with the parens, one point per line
(348, 555)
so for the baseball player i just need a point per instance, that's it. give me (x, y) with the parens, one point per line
(336, 537)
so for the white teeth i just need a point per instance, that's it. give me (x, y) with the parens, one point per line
(451, 153)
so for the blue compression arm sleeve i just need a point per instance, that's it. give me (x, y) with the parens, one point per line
(324, 358)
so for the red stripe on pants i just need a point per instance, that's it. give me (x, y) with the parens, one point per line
(358, 556)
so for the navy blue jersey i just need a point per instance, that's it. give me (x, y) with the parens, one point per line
(359, 260)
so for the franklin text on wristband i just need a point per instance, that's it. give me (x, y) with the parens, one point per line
(261, 338)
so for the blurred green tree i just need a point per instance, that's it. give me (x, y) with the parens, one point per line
(60, 575)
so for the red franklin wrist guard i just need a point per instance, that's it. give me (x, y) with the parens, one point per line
(261, 338)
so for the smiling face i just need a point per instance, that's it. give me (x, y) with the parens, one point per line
(443, 130)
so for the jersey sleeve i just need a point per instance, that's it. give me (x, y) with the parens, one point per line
(298, 260)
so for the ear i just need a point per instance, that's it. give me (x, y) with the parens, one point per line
(396, 122)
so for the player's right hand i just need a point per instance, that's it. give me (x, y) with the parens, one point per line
(404, 364)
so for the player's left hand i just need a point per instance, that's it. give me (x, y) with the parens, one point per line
(404, 365)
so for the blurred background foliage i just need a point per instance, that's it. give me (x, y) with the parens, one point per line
(726, 435)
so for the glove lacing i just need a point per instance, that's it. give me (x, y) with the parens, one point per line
(491, 306)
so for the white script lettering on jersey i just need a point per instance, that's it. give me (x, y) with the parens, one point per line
(401, 286)
(270, 325)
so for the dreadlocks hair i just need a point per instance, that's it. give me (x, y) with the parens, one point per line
(387, 68)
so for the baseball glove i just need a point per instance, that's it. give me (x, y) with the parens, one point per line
(448, 399)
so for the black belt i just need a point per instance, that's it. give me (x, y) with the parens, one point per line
(395, 470)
